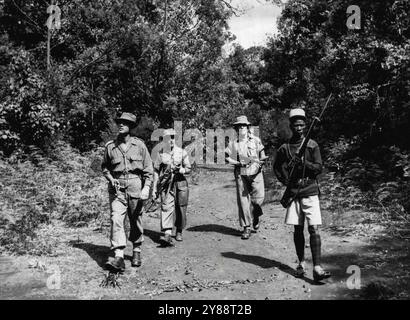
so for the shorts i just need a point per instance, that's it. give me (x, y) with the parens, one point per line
(304, 208)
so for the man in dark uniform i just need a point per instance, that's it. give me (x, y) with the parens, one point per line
(127, 166)
(305, 192)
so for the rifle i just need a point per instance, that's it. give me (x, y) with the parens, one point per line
(165, 182)
(287, 198)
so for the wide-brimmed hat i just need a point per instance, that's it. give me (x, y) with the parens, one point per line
(169, 132)
(297, 113)
(128, 117)
(242, 120)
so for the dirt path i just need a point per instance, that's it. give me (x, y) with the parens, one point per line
(211, 263)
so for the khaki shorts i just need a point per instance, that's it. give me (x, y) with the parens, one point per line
(302, 208)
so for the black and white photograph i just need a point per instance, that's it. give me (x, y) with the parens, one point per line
(229, 151)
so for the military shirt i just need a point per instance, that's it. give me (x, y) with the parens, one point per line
(175, 157)
(247, 150)
(135, 160)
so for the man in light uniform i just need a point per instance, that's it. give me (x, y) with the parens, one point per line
(305, 192)
(173, 161)
(127, 166)
(247, 155)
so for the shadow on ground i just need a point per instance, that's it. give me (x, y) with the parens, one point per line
(263, 263)
(98, 253)
(153, 235)
(383, 270)
(215, 228)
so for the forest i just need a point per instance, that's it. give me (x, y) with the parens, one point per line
(165, 61)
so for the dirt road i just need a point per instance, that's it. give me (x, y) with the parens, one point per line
(211, 263)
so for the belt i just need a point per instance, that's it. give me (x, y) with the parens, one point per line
(304, 182)
(125, 176)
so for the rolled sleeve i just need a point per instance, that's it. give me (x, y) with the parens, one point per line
(185, 161)
(105, 161)
(148, 170)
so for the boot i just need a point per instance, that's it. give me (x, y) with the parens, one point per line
(116, 265)
(136, 259)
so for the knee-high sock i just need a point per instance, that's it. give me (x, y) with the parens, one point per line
(257, 210)
(299, 239)
(315, 246)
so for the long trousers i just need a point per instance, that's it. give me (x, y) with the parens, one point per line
(250, 191)
(121, 203)
(174, 206)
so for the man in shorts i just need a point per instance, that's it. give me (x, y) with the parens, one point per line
(304, 192)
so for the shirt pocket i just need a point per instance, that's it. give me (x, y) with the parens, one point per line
(253, 150)
(115, 163)
(136, 161)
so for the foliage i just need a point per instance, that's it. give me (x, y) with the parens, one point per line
(35, 190)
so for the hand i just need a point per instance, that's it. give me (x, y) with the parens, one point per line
(115, 183)
(144, 193)
(154, 194)
(295, 161)
(182, 170)
(242, 163)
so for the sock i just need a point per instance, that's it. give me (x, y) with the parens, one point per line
(299, 239)
(315, 246)
(119, 253)
(168, 232)
(137, 248)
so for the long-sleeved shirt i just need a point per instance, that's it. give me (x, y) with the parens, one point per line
(312, 161)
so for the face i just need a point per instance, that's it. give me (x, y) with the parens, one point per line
(298, 127)
(123, 127)
(242, 129)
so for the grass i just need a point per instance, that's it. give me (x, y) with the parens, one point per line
(33, 193)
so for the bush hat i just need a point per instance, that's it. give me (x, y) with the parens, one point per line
(241, 120)
(128, 117)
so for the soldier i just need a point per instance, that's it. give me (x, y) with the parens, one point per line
(247, 155)
(127, 166)
(305, 191)
(170, 168)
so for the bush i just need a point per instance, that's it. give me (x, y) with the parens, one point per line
(36, 189)
(26, 115)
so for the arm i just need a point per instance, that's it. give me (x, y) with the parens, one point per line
(147, 173)
(148, 170)
(156, 166)
(186, 165)
(280, 166)
(315, 166)
(229, 154)
(106, 168)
